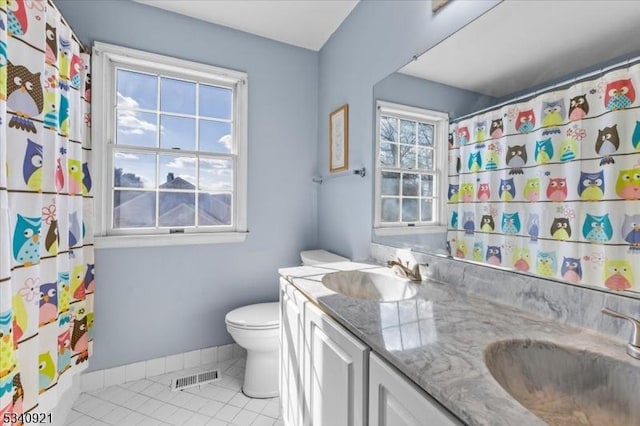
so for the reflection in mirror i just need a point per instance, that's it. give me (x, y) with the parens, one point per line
(502, 56)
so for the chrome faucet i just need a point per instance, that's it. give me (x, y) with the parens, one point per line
(404, 270)
(633, 348)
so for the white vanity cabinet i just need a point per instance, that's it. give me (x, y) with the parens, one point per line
(292, 304)
(336, 373)
(330, 378)
(396, 401)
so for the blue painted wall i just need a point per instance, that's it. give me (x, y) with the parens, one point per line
(153, 302)
(408, 90)
(375, 40)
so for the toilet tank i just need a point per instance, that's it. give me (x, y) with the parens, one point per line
(317, 257)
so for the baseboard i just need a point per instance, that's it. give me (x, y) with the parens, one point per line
(95, 380)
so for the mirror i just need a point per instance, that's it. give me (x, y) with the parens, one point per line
(513, 51)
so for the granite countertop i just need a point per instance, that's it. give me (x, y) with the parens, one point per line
(437, 339)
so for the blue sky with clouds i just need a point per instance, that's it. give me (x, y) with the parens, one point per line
(137, 92)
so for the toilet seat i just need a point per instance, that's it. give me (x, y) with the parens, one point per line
(261, 316)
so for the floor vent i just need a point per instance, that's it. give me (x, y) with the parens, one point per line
(195, 380)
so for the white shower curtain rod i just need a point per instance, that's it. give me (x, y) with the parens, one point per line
(551, 87)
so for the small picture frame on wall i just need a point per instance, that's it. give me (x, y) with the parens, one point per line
(339, 139)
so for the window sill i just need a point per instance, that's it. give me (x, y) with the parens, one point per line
(409, 230)
(118, 241)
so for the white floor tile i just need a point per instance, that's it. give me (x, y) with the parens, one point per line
(151, 402)
(179, 417)
(151, 422)
(227, 413)
(119, 396)
(88, 405)
(83, 420)
(180, 398)
(102, 410)
(164, 412)
(135, 401)
(150, 406)
(133, 419)
(195, 403)
(244, 418)
(263, 421)
(197, 420)
(211, 408)
(117, 416)
(73, 415)
(216, 422)
(272, 409)
(256, 405)
(154, 389)
(239, 400)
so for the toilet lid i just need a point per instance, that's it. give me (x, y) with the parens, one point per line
(260, 315)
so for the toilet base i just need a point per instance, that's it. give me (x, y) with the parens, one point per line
(261, 374)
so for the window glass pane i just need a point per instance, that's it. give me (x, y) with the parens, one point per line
(407, 132)
(134, 209)
(177, 209)
(177, 132)
(425, 134)
(388, 154)
(390, 209)
(136, 128)
(409, 209)
(407, 156)
(410, 185)
(216, 174)
(425, 158)
(134, 170)
(426, 210)
(136, 90)
(177, 172)
(215, 136)
(390, 183)
(177, 96)
(214, 209)
(389, 129)
(426, 188)
(215, 102)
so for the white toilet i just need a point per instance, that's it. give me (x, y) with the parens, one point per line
(256, 328)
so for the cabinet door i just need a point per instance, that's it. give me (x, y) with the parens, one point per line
(336, 373)
(291, 353)
(395, 401)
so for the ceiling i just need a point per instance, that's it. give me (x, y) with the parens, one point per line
(303, 23)
(523, 44)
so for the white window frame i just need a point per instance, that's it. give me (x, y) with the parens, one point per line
(106, 58)
(440, 121)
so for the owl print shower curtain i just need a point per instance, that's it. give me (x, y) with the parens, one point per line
(46, 255)
(551, 186)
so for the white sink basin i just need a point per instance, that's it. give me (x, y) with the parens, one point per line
(565, 386)
(369, 286)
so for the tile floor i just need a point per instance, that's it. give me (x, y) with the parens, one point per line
(151, 402)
